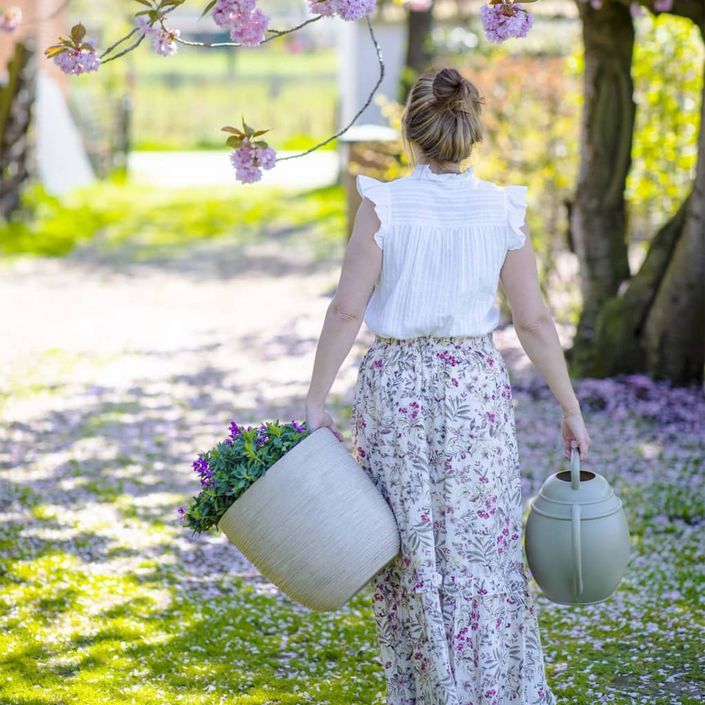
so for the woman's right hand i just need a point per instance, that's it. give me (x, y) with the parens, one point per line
(573, 429)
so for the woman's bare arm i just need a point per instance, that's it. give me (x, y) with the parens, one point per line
(362, 264)
(534, 324)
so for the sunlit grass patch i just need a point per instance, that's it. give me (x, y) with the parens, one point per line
(142, 223)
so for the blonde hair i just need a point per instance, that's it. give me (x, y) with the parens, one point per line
(442, 116)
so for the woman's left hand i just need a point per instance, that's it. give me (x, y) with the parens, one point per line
(317, 417)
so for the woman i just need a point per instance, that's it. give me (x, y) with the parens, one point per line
(432, 417)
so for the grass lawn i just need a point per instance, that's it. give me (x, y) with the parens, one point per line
(182, 101)
(137, 222)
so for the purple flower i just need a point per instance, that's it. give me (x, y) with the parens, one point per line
(447, 357)
(204, 471)
(164, 41)
(227, 12)
(249, 159)
(299, 428)
(349, 10)
(77, 61)
(505, 20)
(234, 429)
(250, 28)
(262, 436)
(181, 511)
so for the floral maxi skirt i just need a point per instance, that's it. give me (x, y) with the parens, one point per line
(433, 427)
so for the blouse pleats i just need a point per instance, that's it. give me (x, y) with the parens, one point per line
(445, 238)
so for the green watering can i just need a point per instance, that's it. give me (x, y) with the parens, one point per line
(576, 537)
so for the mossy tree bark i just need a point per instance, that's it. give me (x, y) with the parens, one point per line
(607, 122)
(655, 322)
(16, 101)
(657, 325)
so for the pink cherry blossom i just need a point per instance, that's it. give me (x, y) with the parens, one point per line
(163, 39)
(227, 12)
(505, 20)
(250, 29)
(77, 61)
(250, 159)
(636, 9)
(10, 19)
(348, 10)
(246, 22)
(352, 10)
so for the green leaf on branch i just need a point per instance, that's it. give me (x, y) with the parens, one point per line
(234, 141)
(54, 50)
(78, 31)
(145, 2)
(209, 7)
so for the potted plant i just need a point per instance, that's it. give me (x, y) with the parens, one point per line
(299, 507)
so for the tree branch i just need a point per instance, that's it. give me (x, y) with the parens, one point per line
(378, 50)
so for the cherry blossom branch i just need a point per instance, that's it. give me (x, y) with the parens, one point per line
(276, 33)
(380, 61)
(127, 36)
(120, 41)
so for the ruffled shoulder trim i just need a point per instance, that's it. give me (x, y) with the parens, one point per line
(515, 197)
(378, 193)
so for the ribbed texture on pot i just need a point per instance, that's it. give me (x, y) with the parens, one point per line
(314, 524)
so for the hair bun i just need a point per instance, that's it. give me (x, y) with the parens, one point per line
(450, 89)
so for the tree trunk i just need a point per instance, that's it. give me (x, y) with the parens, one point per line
(16, 100)
(418, 51)
(607, 122)
(657, 324)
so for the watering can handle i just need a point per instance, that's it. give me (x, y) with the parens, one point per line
(574, 468)
(575, 520)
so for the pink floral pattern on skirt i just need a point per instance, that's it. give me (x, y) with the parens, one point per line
(433, 427)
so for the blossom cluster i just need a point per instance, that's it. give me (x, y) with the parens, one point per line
(249, 159)
(74, 54)
(75, 61)
(10, 18)
(163, 39)
(349, 10)
(246, 22)
(504, 20)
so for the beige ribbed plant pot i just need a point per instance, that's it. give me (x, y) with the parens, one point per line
(314, 524)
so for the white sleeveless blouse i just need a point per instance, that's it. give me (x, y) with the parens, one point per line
(444, 238)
